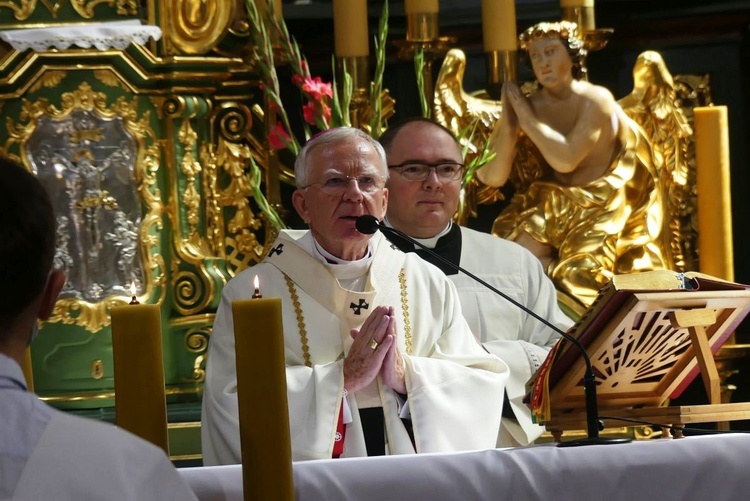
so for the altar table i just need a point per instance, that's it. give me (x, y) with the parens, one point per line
(699, 468)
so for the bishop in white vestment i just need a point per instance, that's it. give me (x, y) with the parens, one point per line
(448, 374)
(414, 363)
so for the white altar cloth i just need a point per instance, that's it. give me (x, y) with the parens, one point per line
(699, 468)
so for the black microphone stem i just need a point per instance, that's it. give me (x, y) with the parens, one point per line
(589, 379)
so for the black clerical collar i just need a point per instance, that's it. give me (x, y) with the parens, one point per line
(448, 247)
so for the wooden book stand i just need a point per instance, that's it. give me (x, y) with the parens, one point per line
(653, 345)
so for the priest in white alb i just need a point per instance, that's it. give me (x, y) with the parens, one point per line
(379, 359)
(426, 165)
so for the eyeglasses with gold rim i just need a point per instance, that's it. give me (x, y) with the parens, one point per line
(338, 184)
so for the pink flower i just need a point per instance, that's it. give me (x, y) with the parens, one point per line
(308, 112)
(278, 138)
(297, 80)
(317, 88)
(318, 114)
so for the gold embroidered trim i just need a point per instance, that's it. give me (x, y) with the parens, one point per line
(405, 310)
(300, 320)
(303, 329)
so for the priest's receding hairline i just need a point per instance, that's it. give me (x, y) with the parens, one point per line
(330, 136)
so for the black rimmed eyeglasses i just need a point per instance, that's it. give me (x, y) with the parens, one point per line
(418, 171)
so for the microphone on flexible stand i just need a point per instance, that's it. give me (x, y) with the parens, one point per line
(369, 224)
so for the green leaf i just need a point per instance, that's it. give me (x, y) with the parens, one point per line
(419, 70)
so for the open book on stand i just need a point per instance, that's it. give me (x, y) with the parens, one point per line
(640, 354)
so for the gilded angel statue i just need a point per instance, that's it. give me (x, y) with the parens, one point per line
(592, 176)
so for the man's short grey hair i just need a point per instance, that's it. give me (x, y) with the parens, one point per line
(330, 136)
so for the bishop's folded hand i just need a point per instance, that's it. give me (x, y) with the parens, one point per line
(392, 370)
(372, 343)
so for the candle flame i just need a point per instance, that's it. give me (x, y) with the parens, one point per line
(256, 282)
(132, 288)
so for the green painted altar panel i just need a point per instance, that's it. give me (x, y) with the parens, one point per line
(172, 122)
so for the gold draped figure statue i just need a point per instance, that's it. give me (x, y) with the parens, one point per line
(593, 176)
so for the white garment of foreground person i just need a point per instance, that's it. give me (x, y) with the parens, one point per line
(52, 455)
(46, 454)
(454, 387)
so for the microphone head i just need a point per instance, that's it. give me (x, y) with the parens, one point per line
(367, 224)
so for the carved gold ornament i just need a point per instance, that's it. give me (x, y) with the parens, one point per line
(197, 26)
(81, 168)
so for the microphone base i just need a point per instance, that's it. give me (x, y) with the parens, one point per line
(594, 441)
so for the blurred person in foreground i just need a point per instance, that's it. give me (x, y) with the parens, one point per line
(44, 453)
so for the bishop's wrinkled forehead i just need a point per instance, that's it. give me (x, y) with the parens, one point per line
(326, 139)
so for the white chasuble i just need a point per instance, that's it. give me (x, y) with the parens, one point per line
(454, 387)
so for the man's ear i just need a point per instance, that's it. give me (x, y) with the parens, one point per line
(385, 202)
(54, 285)
(300, 205)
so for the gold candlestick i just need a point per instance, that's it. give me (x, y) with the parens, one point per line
(502, 66)
(581, 12)
(500, 43)
(358, 68)
(422, 33)
(422, 26)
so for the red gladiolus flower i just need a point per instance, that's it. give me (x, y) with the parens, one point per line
(308, 112)
(317, 88)
(320, 110)
(297, 80)
(278, 137)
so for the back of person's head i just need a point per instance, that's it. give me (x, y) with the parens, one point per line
(327, 137)
(387, 138)
(27, 240)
